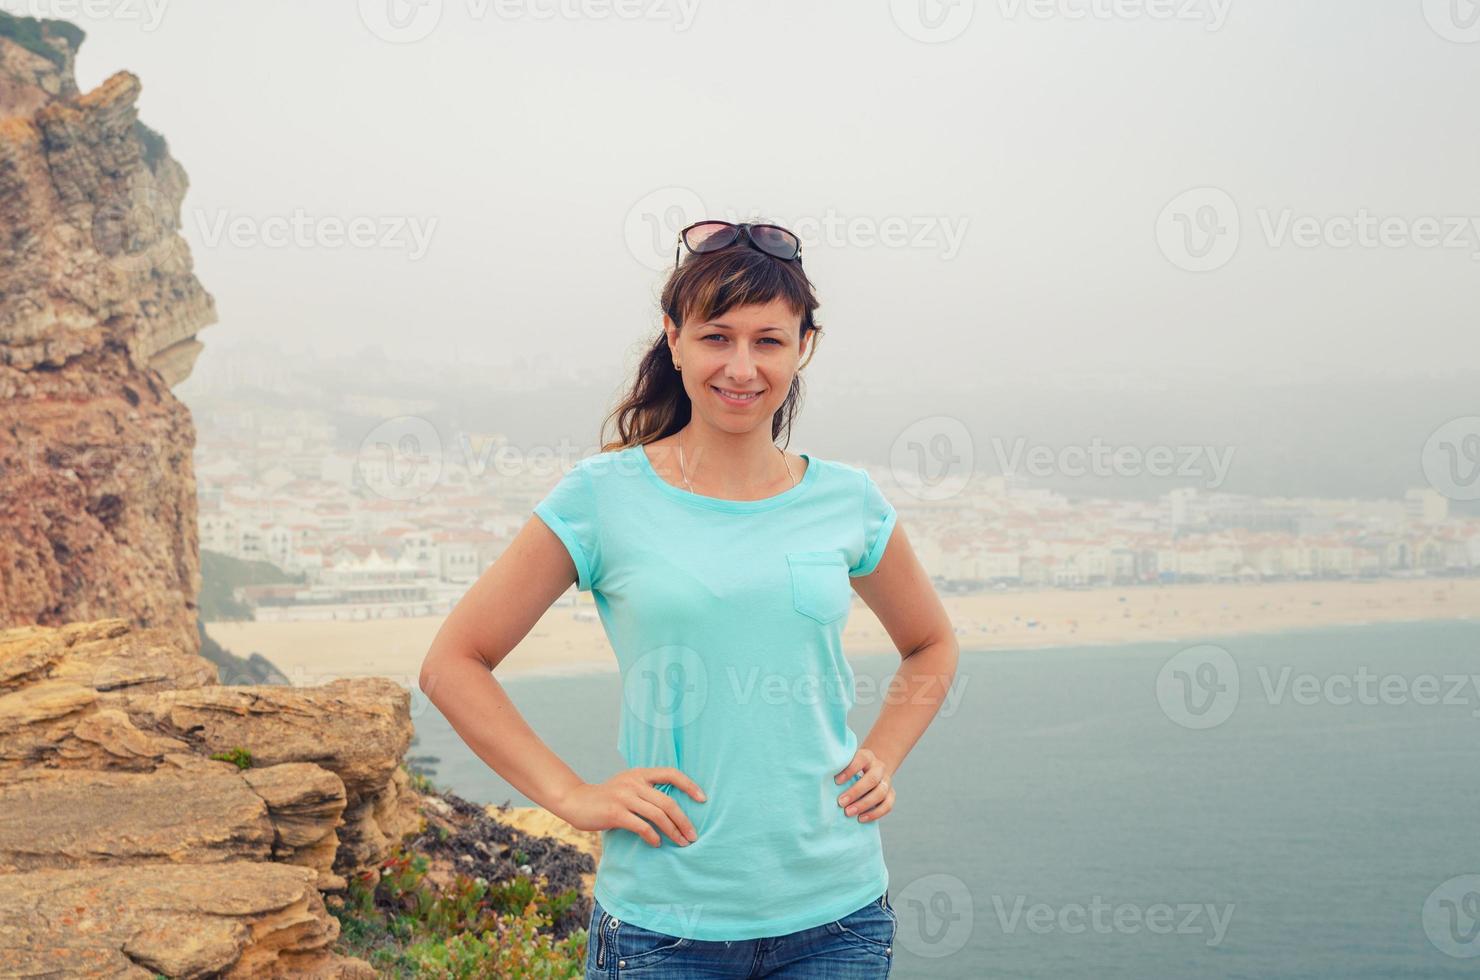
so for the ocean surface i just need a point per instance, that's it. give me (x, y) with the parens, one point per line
(1280, 805)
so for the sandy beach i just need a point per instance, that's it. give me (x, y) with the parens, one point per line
(569, 639)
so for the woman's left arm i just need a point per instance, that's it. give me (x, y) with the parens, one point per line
(900, 593)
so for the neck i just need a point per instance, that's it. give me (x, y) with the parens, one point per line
(728, 462)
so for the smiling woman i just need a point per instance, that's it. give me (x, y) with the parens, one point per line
(750, 329)
(723, 569)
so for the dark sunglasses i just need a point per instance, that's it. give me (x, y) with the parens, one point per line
(711, 236)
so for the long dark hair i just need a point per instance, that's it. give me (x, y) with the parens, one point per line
(705, 286)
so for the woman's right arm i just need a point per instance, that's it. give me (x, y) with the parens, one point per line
(497, 612)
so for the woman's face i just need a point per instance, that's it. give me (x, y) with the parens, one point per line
(747, 351)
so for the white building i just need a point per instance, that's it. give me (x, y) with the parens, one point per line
(1425, 505)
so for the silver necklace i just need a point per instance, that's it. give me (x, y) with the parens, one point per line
(683, 471)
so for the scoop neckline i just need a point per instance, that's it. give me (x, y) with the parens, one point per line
(721, 503)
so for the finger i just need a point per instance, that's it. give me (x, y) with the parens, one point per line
(868, 800)
(673, 810)
(866, 782)
(677, 777)
(879, 810)
(640, 827)
(857, 765)
(655, 814)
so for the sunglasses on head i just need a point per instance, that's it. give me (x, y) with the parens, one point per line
(711, 236)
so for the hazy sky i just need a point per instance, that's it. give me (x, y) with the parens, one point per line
(981, 198)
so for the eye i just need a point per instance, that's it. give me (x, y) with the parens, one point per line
(774, 340)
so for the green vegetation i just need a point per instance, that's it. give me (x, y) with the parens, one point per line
(30, 34)
(420, 781)
(421, 768)
(221, 574)
(240, 757)
(403, 927)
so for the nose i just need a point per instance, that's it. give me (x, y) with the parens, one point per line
(741, 366)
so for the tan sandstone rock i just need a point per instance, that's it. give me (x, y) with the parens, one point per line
(234, 919)
(106, 767)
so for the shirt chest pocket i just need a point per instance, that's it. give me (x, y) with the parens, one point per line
(819, 584)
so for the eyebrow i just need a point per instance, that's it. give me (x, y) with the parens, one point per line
(716, 323)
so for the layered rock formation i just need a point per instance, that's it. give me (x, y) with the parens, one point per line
(120, 836)
(99, 312)
(125, 847)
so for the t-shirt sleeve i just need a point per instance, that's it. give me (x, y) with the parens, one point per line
(878, 523)
(569, 509)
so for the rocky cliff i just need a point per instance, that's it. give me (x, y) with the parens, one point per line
(152, 820)
(99, 312)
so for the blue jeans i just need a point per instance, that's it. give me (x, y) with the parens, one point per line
(859, 946)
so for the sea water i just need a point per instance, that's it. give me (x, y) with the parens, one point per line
(1293, 805)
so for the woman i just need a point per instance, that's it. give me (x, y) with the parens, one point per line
(721, 567)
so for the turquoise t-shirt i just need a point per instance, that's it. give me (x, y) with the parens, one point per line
(726, 618)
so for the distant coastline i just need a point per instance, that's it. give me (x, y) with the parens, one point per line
(569, 638)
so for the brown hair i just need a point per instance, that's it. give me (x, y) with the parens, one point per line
(705, 286)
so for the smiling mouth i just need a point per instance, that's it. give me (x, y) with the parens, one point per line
(736, 397)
